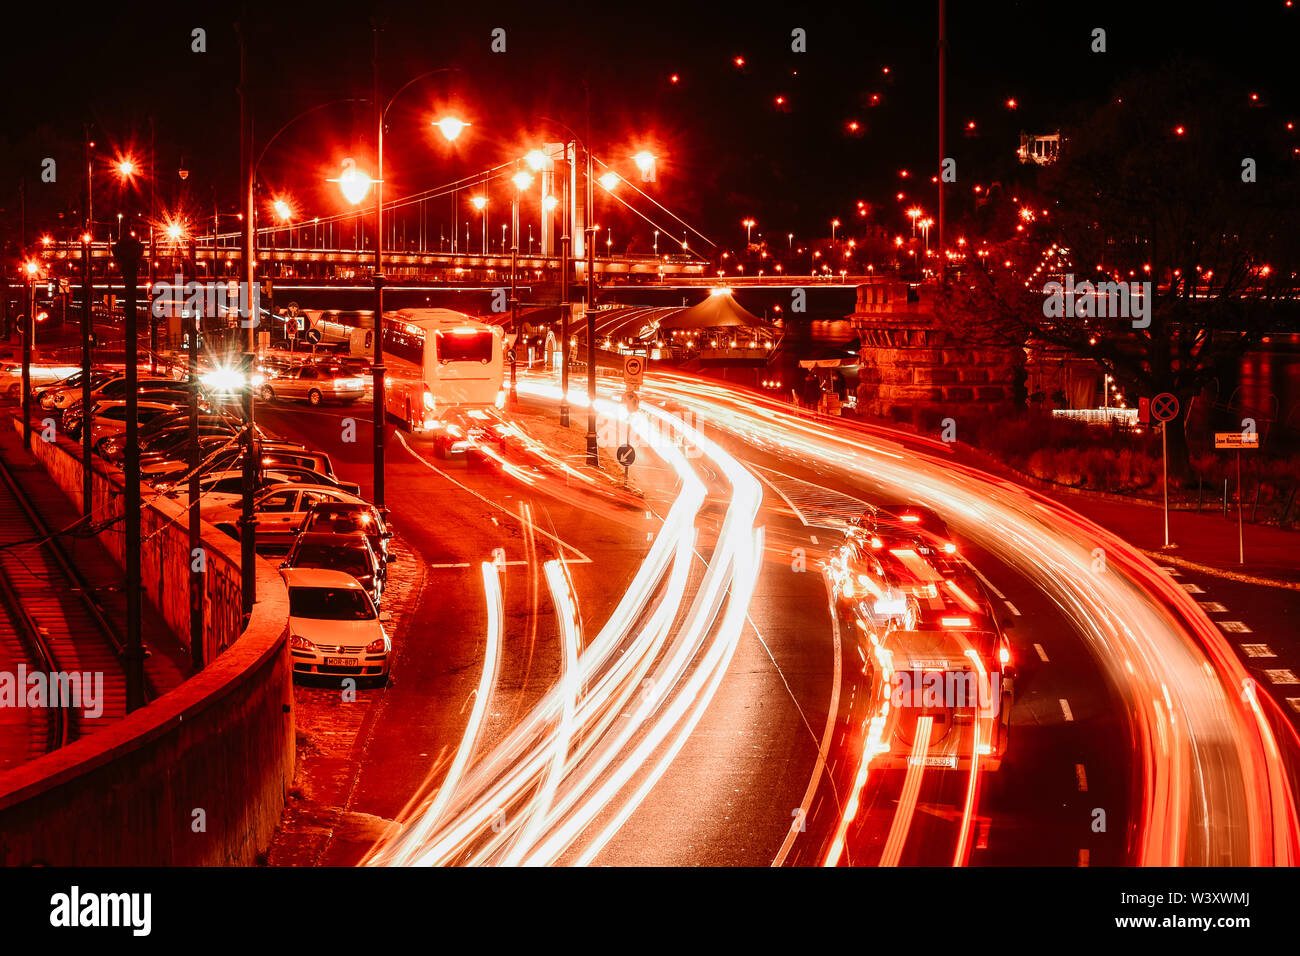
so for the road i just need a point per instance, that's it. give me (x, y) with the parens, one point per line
(666, 724)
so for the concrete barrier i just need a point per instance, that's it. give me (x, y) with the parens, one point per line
(199, 776)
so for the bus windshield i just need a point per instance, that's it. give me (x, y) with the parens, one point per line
(470, 345)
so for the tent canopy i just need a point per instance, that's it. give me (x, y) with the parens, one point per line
(718, 311)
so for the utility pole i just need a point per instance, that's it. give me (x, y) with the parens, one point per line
(197, 576)
(566, 307)
(593, 455)
(943, 55)
(514, 297)
(153, 248)
(127, 252)
(247, 520)
(87, 326)
(29, 329)
(380, 430)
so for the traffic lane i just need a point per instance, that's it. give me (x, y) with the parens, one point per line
(738, 786)
(455, 517)
(1032, 805)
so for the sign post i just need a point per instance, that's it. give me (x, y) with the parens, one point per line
(1245, 439)
(1164, 409)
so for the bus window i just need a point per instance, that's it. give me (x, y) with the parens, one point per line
(466, 346)
(405, 345)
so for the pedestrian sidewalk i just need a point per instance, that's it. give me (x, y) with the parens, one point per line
(1202, 541)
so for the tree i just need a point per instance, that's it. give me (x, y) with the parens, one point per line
(1177, 182)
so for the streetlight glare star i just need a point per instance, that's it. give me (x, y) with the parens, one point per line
(353, 183)
(522, 180)
(451, 127)
(609, 181)
(478, 202)
(535, 159)
(644, 160)
(282, 210)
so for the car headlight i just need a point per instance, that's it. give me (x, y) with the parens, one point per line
(377, 646)
(301, 643)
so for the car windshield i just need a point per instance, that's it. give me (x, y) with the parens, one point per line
(332, 557)
(330, 604)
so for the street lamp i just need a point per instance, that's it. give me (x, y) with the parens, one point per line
(480, 203)
(835, 224)
(913, 214)
(522, 181)
(749, 225)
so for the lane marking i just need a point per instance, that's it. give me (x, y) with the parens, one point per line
(1212, 607)
(824, 747)
(814, 539)
(1191, 588)
(1065, 709)
(1295, 703)
(1235, 627)
(987, 583)
(1257, 650)
(1081, 775)
(1042, 654)
(1281, 675)
(1014, 610)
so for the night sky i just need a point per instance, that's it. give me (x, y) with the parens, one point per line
(726, 149)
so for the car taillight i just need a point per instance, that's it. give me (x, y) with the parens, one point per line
(949, 548)
(955, 622)
(1004, 655)
(428, 399)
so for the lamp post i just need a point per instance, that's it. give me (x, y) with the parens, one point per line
(522, 181)
(127, 252)
(29, 330)
(480, 203)
(593, 455)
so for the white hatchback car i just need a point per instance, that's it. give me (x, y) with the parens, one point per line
(334, 629)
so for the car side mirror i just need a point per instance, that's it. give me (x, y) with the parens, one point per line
(387, 534)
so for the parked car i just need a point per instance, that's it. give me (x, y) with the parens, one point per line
(45, 396)
(334, 627)
(11, 377)
(350, 553)
(110, 418)
(314, 385)
(280, 512)
(218, 487)
(344, 517)
(115, 387)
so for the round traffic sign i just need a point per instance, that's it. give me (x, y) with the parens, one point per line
(1164, 407)
(626, 455)
(633, 367)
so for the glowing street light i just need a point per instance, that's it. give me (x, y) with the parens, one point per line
(282, 210)
(749, 225)
(609, 181)
(645, 161)
(522, 180)
(450, 127)
(353, 183)
(913, 214)
(536, 160)
(835, 224)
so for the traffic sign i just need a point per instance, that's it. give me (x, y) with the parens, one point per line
(633, 371)
(1238, 441)
(1164, 407)
(626, 455)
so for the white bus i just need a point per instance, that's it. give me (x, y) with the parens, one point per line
(437, 360)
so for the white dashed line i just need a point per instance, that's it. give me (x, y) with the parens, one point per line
(1065, 709)
(814, 539)
(1235, 627)
(987, 583)
(1281, 676)
(1012, 608)
(1082, 776)
(1212, 607)
(1042, 654)
(1295, 703)
(1257, 650)
(1191, 588)
(1172, 572)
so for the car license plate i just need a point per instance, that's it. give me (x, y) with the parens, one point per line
(949, 762)
(340, 662)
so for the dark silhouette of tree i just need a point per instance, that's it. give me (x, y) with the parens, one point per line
(1153, 186)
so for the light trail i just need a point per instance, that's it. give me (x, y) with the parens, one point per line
(1213, 791)
(597, 743)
